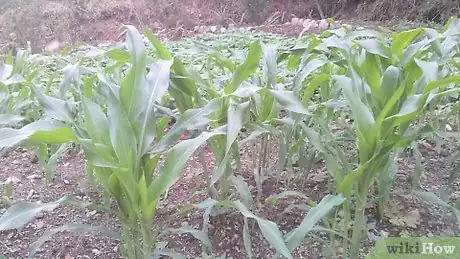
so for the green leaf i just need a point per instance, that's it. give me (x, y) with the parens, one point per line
(375, 47)
(390, 82)
(270, 65)
(96, 122)
(246, 91)
(245, 70)
(315, 214)
(305, 71)
(22, 213)
(5, 71)
(243, 190)
(54, 108)
(10, 119)
(432, 198)
(235, 122)
(191, 119)
(131, 89)
(269, 230)
(411, 105)
(175, 161)
(198, 234)
(403, 39)
(289, 101)
(42, 131)
(361, 113)
(119, 55)
(247, 239)
(162, 51)
(12, 137)
(156, 87)
(121, 135)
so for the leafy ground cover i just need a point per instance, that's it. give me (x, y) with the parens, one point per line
(239, 145)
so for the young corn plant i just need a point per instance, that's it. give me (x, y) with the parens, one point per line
(387, 86)
(117, 128)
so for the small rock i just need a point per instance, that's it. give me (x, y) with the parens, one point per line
(295, 21)
(427, 145)
(307, 24)
(39, 215)
(196, 28)
(231, 26)
(91, 213)
(34, 177)
(96, 251)
(448, 127)
(213, 29)
(184, 224)
(34, 159)
(39, 224)
(10, 235)
(115, 249)
(52, 46)
(222, 30)
(323, 25)
(31, 193)
(13, 180)
(202, 29)
(66, 182)
(16, 162)
(300, 22)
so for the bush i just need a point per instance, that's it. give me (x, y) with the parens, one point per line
(256, 10)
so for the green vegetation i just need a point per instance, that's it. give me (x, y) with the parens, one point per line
(354, 99)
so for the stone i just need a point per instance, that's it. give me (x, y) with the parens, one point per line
(231, 26)
(307, 24)
(34, 177)
(223, 30)
(91, 213)
(300, 22)
(96, 252)
(13, 180)
(52, 46)
(31, 193)
(213, 29)
(295, 21)
(323, 25)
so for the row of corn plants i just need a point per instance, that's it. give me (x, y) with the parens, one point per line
(354, 99)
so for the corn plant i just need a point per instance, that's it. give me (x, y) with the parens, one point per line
(387, 86)
(119, 123)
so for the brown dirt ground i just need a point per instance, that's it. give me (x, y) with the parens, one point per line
(225, 231)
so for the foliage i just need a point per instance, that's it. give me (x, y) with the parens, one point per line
(354, 100)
